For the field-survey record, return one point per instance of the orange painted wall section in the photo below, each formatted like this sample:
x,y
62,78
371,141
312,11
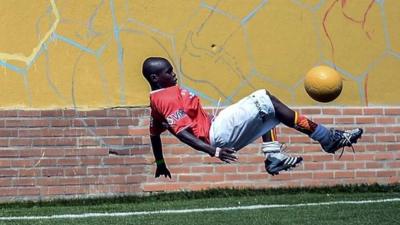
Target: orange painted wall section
x,y
88,54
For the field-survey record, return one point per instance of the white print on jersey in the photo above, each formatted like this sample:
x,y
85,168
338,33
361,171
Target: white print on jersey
x,y
175,116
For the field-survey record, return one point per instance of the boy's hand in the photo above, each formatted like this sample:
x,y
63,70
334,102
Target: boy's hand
x,y
162,170
226,154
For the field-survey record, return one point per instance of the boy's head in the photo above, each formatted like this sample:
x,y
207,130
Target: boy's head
x,y
158,72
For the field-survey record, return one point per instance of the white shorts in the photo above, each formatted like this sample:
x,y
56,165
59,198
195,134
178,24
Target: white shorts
x,y
243,122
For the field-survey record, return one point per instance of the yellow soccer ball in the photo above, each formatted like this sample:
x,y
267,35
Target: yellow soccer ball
x,y
323,83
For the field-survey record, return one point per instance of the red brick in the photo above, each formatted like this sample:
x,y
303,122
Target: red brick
x,y
133,141
331,111
8,113
281,176
393,147
9,153
98,171
334,165
8,172
51,113
114,179
355,165
83,122
344,120
387,173
301,175
308,111
139,112
176,169
198,187
74,190
75,171
96,113
226,169
120,170
127,122
118,131
24,182
5,182
322,175
8,132
117,113
212,177
374,165
373,111
365,120
28,113
384,156
367,173
238,177
68,162
113,141
31,172
22,163
8,191
138,131
324,157
375,147
56,190
344,174
392,129
386,120
106,122
376,129
28,191
313,166
385,138
189,178
248,168
5,163
300,139
135,160
51,172
395,164
201,169
352,111
392,111
325,121
20,142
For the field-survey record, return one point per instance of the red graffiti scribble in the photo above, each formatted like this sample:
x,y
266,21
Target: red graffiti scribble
x,y
359,21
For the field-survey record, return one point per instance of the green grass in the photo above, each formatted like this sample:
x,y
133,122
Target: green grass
x,y
371,213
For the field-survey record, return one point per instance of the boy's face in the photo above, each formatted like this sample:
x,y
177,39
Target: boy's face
x,y
167,77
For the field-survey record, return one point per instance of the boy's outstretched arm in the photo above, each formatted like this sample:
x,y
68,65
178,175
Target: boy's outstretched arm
x,y
225,154
158,155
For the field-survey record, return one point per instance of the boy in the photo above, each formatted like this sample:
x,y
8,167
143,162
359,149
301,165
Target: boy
x,y
180,111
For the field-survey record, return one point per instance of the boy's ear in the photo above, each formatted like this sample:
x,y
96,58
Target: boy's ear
x,y
153,77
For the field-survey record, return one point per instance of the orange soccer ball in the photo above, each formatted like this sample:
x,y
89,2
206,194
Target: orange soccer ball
x,y
323,83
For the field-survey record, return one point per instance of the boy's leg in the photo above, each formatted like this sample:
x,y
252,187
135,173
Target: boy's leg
x,y
331,140
275,159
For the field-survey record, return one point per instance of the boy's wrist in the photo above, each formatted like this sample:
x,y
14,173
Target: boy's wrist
x,y
160,162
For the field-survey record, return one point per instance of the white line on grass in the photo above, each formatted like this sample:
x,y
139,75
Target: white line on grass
x,y
250,207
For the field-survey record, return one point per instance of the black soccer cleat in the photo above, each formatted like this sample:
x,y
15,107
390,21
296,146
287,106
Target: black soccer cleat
x,y
340,139
277,162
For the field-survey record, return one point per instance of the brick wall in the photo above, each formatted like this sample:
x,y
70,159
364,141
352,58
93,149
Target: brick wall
x,y
65,153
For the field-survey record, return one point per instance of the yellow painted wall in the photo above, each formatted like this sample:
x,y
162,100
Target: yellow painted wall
x,y
88,54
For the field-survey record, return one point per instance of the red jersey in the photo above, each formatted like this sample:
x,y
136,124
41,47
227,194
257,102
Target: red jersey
x,y
176,109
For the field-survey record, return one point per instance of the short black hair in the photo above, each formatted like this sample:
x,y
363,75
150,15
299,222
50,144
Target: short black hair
x,y
154,65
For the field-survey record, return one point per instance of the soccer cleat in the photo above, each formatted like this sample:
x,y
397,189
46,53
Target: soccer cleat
x,y
279,161
340,139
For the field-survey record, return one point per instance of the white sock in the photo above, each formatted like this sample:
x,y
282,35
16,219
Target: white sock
x,y
270,147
